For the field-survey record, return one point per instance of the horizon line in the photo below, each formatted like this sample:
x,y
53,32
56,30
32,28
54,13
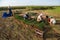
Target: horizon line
x,y
30,5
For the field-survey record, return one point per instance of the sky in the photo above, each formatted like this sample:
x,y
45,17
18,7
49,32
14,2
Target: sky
x,y
29,2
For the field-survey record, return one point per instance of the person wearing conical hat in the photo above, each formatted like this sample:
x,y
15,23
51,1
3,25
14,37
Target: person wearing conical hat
x,y
39,18
52,20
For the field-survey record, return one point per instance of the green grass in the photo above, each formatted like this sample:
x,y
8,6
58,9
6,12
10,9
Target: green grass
x,y
31,22
54,12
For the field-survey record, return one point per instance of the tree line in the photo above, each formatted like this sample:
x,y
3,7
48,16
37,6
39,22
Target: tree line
x,y
29,7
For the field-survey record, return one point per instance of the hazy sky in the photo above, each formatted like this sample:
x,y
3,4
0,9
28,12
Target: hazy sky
x,y
28,2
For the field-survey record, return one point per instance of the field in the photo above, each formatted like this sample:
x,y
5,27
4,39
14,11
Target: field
x,y
16,28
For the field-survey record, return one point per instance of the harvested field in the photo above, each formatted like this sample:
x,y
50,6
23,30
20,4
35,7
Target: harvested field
x,y
15,28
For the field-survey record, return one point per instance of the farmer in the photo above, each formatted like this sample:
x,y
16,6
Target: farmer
x,y
46,27
10,11
46,20
4,14
52,20
39,18
26,16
